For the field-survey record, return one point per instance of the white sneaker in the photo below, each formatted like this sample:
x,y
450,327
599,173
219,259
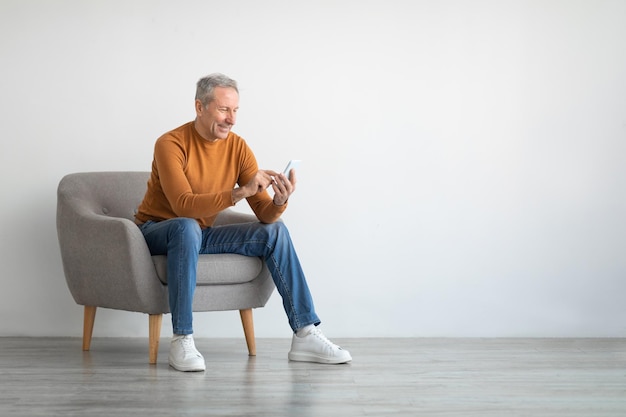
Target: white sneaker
x,y
315,347
184,356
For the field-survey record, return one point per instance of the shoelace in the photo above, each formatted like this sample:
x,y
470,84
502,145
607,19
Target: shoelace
x,y
188,345
318,333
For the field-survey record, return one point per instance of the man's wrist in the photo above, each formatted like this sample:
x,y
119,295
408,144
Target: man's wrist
x,y
237,195
279,205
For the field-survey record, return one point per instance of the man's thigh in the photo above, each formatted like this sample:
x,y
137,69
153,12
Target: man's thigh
x,y
250,239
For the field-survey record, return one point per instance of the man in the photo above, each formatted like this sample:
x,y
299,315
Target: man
x,y
195,171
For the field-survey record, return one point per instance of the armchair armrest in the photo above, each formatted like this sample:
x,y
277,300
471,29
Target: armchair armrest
x,y
107,262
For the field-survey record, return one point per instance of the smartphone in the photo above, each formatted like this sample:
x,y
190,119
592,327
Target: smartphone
x,y
293,164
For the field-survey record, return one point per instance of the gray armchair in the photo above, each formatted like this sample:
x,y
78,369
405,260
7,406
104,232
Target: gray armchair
x,y
107,262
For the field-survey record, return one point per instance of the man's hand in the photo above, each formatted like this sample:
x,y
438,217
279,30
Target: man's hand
x,y
281,185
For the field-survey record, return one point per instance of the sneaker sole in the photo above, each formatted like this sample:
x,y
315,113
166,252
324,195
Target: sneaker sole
x,y
310,357
183,368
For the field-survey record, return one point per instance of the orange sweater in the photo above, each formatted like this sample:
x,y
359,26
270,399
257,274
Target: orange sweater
x,y
192,177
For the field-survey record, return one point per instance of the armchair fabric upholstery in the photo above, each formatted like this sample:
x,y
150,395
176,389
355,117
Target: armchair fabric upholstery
x,y
107,262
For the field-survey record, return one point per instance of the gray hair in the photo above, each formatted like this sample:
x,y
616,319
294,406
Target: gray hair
x,y
206,86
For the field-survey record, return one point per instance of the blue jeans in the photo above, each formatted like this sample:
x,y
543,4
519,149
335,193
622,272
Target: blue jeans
x,y
182,240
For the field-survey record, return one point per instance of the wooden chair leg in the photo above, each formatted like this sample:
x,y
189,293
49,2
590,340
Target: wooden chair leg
x,y
248,330
90,317
154,335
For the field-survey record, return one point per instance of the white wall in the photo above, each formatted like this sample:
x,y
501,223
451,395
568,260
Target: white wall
x,y
463,166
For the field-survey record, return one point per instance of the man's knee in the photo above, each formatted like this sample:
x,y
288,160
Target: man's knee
x,y
277,230
187,229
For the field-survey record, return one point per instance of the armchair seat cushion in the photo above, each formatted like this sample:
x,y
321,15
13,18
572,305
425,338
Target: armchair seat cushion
x,y
219,269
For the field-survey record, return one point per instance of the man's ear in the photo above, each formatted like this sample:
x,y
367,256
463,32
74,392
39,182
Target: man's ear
x,y
199,107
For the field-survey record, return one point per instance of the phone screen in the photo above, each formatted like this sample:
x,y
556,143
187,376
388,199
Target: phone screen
x,y
293,164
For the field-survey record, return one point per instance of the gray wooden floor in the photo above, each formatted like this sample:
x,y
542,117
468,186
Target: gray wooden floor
x,y
398,377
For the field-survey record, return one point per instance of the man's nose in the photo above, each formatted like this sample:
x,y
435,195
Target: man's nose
x,y
231,116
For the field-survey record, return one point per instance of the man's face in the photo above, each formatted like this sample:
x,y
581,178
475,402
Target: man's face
x,y
214,121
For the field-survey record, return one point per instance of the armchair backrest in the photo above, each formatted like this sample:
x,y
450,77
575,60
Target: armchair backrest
x,y
115,194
